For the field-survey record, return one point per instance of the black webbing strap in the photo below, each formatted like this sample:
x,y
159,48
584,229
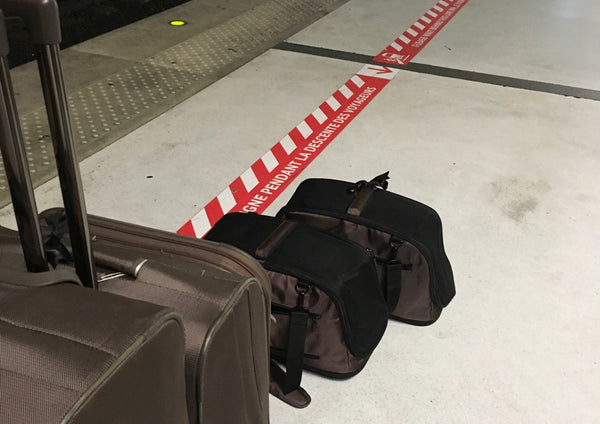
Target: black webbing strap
x,y
56,251
378,183
295,350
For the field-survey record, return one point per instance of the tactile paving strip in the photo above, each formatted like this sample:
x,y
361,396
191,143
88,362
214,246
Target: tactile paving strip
x,y
228,44
106,110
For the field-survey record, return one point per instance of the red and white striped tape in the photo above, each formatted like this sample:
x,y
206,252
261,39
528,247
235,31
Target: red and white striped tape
x,y
404,48
259,185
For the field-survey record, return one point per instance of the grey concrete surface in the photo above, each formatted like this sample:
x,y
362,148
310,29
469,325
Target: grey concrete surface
x,y
511,172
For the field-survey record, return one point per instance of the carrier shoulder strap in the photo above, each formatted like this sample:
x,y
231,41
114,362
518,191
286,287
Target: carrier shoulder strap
x,y
294,359
298,398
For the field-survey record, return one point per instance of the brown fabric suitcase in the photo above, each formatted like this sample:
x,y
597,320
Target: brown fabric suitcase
x,y
225,308
108,235
225,314
76,356
142,242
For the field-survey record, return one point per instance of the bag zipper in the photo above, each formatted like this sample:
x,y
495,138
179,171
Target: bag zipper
x,y
395,245
370,224
350,340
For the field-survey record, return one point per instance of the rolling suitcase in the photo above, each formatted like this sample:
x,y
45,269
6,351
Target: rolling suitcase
x,y
69,354
75,356
404,235
108,235
226,314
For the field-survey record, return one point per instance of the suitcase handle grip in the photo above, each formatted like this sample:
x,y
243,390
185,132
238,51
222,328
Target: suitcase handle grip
x,y
41,17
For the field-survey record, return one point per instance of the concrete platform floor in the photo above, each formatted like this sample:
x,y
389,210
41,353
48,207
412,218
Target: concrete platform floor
x,y
513,173
125,78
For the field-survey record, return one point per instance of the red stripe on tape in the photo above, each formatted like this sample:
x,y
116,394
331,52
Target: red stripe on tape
x,y
404,48
237,188
187,229
214,211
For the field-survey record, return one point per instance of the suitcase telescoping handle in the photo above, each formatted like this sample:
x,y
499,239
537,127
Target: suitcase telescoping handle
x,y
42,20
17,170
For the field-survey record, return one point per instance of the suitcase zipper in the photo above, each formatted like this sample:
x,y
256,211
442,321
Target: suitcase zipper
x,y
114,231
110,276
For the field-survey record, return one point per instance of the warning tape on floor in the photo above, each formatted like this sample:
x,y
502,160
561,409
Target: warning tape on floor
x,y
261,184
404,48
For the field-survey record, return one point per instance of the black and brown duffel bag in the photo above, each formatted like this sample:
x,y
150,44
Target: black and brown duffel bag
x,y
329,311
404,235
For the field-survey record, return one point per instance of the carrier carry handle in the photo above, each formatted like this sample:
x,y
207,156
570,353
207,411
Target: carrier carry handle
x,y
363,190
43,23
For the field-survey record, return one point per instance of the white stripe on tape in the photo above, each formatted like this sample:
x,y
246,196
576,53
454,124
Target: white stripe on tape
x,y
356,80
304,129
201,223
249,179
426,19
419,25
270,161
412,32
333,103
347,93
432,14
226,200
288,144
405,39
439,9
443,3
319,116
396,46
